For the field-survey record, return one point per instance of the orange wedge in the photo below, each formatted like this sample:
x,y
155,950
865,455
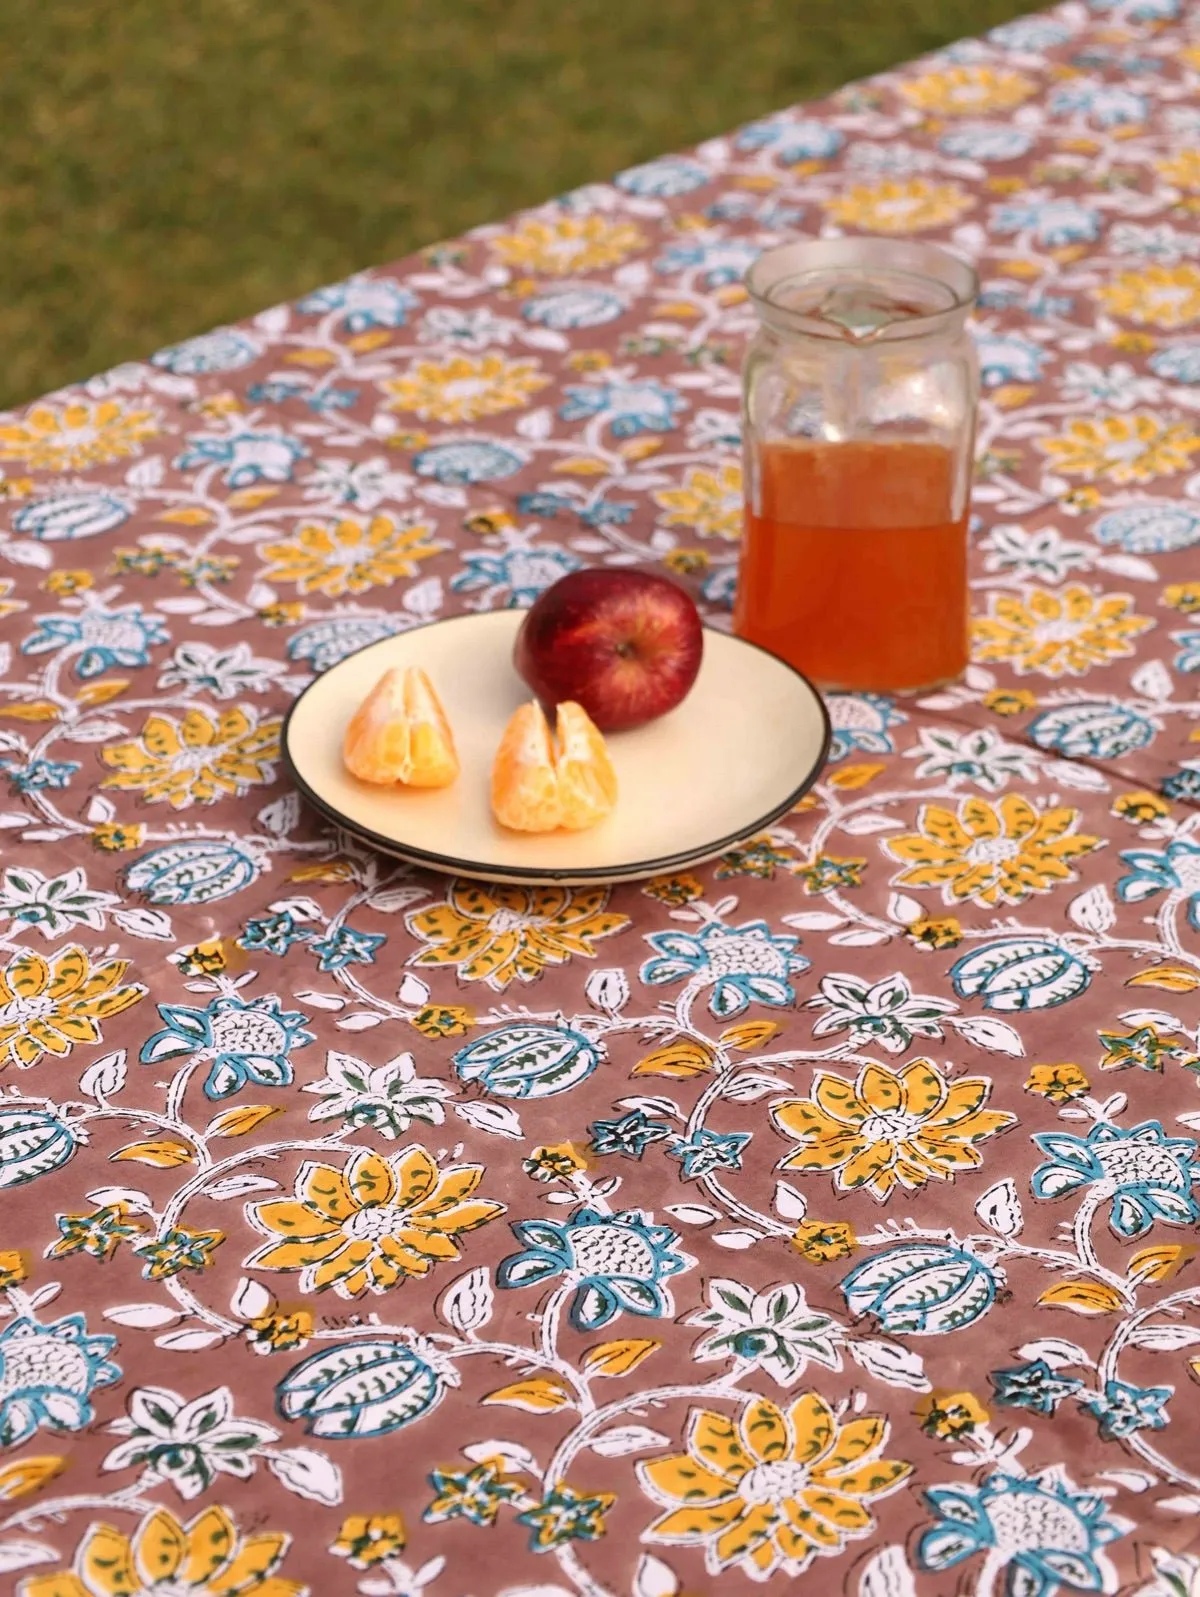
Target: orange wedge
x,y
400,733
537,787
587,783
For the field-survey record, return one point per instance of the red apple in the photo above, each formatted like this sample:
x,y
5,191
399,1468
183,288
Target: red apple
x,y
624,644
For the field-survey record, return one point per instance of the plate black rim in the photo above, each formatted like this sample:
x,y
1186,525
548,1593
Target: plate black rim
x,y
453,865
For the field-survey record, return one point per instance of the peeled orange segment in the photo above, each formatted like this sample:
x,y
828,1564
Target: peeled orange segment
x,y
538,788
400,733
433,757
587,783
524,780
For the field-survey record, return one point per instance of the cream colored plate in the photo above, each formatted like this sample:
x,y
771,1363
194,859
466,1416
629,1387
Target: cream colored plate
x,y
737,754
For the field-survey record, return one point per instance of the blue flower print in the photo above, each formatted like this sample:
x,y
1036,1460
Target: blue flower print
x,y
1140,10
71,514
1029,34
225,349
1123,1409
1155,526
1054,222
1106,104
326,642
986,141
803,140
719,263
274,392
614,1261
1177,363
1183,785
629,1136
329,399
663,179
273,934
1188,658
563,306
343,945
518,574
1148,1175
720,587
547,505
245,1042
469,460
36,776
705,1151
1008,358
365,302
1175,869
742,964
98,639
607,513
1042,1528
48,1374
629,408
1034,1386
248,457
861,721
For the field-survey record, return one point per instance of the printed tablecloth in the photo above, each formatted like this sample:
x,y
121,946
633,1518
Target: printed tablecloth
x,y
827,1214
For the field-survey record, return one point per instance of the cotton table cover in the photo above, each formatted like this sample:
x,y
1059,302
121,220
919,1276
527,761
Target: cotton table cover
x,y
823,1216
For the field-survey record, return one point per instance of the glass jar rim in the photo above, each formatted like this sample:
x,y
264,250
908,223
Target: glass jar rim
x,y
771,275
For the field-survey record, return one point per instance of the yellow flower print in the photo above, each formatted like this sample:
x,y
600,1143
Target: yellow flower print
x,y
710,502
990,854
773,1490
824,1242
196,760
890,1128
367,1539
349,556
1009,701
967,91
8,605
1059,1083
465,387
950,1415
1056,634
568,244
908,205
1122,449
1181,169
206,1557
498,934
47,1006
76,435
1140,807
1155,296
372,1224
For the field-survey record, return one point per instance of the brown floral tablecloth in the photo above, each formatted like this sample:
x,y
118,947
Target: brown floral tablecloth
x,y
826,1215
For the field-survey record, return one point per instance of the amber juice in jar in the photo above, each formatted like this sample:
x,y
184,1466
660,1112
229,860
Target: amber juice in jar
x,y
860,395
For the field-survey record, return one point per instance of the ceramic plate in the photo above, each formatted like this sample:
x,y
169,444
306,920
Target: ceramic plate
x,y
737,754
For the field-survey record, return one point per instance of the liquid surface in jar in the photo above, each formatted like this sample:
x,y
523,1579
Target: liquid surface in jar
x,y
852,567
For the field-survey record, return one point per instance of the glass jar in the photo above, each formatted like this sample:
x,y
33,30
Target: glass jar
x,y
860,391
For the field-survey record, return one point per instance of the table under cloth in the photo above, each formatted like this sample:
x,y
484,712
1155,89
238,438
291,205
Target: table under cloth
x,y
826,1214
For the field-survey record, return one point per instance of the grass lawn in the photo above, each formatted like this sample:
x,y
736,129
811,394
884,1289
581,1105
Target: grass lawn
x,y
171,164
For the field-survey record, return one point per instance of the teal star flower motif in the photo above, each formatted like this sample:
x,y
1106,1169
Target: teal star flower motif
x,y
1123,1409
343,945
705,1151
1035,1386
476,1494
48,1374
565,1515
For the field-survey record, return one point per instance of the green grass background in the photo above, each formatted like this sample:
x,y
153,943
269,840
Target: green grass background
x,y
166,165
